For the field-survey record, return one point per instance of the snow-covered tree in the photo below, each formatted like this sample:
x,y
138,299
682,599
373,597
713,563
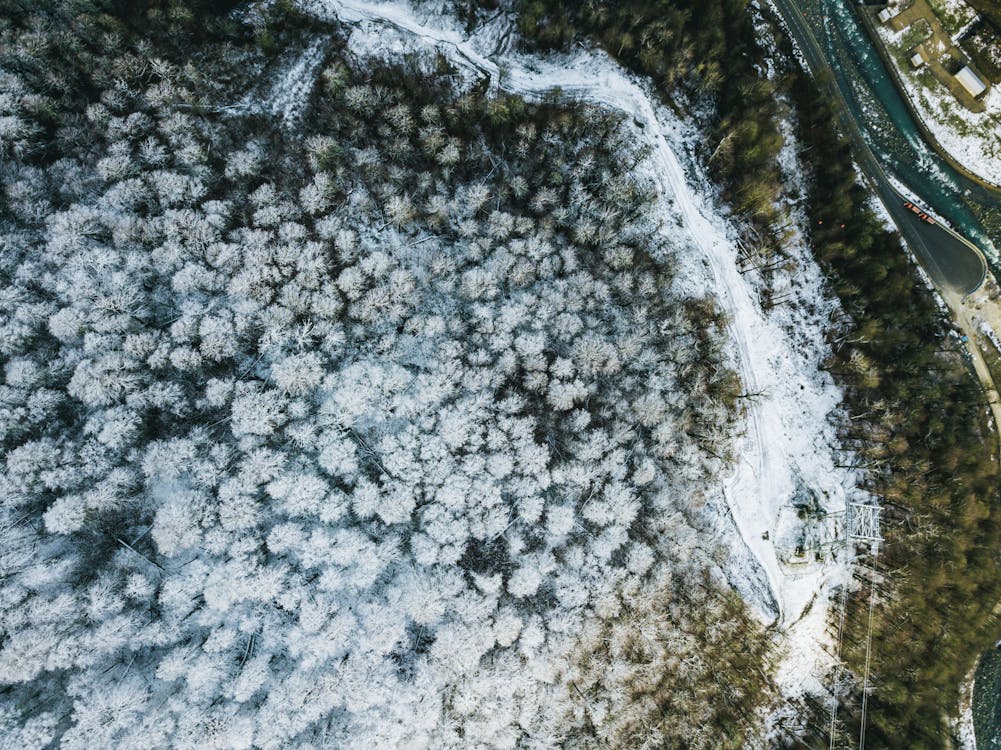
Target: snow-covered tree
x,y
378,436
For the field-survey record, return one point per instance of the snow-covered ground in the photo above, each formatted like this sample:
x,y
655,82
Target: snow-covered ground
x,y
955,15
289,93
989,332
964,725
787,452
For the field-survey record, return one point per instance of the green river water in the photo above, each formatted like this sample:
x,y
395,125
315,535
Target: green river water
x,y
891,132
987,701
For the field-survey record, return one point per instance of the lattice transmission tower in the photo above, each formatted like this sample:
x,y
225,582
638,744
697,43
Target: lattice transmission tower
x,y
863,522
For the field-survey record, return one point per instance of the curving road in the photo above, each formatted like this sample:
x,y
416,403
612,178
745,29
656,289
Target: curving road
x,y
953,263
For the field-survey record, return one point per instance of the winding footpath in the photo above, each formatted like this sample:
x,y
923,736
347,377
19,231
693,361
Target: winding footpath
x,y
585,78
789,441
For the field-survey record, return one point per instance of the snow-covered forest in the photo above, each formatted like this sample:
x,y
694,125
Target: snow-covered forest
x,y
388,429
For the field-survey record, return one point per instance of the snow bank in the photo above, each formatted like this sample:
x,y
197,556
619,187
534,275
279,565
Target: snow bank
x,y
965,731
986,329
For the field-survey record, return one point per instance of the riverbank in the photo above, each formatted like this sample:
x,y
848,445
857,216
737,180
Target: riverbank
x,y
987,700
976,158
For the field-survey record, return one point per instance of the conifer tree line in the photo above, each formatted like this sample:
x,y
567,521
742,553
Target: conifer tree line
x,y
388,431
919,419
705,48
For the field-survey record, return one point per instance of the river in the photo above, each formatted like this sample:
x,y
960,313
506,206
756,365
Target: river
x,y
891,132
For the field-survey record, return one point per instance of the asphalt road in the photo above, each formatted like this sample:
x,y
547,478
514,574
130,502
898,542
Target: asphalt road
x,y
951,261
947,258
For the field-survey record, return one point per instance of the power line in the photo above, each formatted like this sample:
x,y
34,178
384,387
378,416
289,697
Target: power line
x,y
868,648
837,655
861,525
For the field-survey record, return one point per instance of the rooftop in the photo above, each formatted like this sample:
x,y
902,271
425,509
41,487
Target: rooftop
x,y
971,81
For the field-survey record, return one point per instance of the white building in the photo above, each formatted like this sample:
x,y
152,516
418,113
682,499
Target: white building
x,y
916,60
971,81
885,15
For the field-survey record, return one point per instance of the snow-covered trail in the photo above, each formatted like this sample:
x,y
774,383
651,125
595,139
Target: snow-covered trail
x,y
289,93
789,439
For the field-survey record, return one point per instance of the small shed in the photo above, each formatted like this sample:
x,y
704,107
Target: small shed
x,y
885,15
971,81
916,60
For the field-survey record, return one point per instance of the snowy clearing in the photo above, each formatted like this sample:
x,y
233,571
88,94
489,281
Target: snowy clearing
x,y
289,93
787,453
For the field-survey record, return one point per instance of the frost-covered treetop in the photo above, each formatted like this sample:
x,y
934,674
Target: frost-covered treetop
x,y
358,439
